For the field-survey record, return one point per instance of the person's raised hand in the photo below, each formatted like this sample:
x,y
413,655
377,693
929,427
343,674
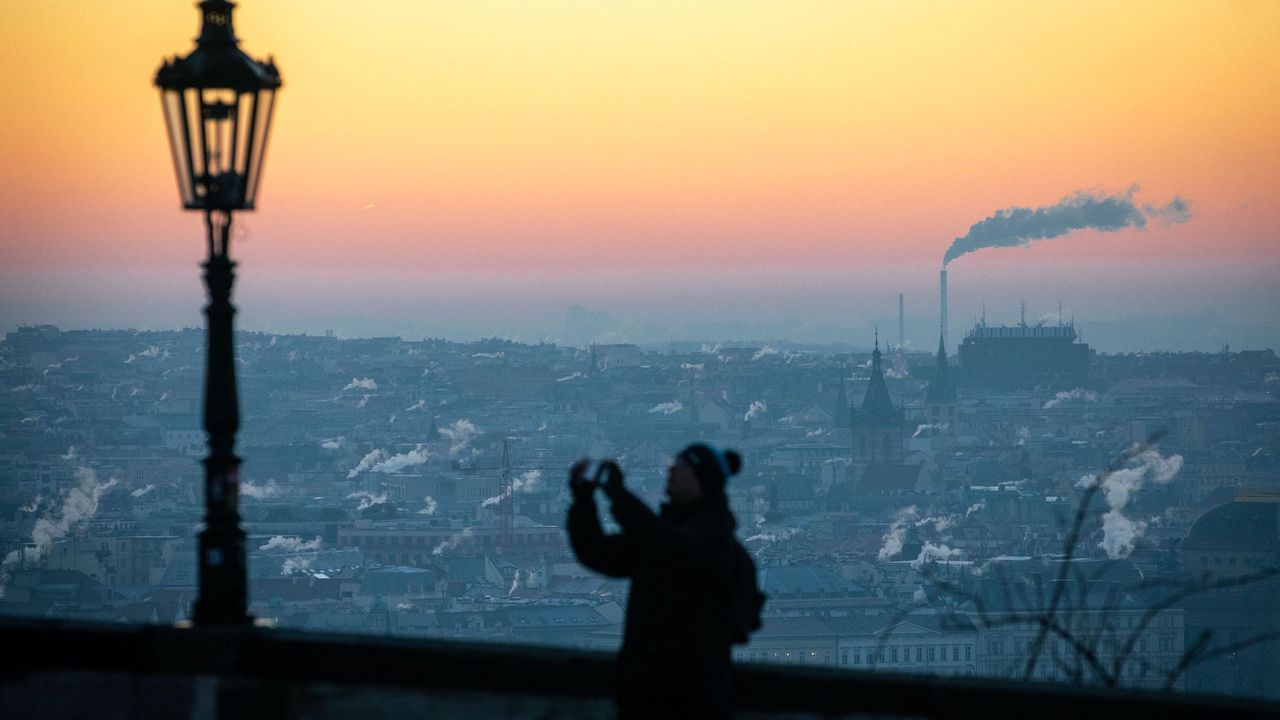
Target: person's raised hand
x,y
612,477
580,485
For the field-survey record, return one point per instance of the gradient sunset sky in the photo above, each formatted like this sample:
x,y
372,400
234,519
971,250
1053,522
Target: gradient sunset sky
x,y
765,170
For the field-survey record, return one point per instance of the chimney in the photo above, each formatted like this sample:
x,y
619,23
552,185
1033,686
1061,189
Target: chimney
x,y
902,324
944,307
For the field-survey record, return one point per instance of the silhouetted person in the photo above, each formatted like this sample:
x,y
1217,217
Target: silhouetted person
x,y
688,576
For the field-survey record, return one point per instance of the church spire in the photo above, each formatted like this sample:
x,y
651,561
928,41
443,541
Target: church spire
x,y
941,389
877,402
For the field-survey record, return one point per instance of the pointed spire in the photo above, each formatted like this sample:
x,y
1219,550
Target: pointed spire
x,y
941,389
877,402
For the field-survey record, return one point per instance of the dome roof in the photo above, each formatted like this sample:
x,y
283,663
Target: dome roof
x,y
1241,525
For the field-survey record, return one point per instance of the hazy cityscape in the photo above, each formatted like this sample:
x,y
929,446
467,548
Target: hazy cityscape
x,y
682,360
909,511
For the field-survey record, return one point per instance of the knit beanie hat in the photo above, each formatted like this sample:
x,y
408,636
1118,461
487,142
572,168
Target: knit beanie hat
x,y
712,467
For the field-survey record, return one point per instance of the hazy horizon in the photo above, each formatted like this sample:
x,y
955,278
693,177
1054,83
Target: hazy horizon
x,y
802,305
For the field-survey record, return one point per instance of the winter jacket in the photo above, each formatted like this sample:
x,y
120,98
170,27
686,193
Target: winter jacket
x,y
675,659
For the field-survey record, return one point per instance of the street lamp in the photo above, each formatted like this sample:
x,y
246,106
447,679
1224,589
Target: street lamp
x,y
217,107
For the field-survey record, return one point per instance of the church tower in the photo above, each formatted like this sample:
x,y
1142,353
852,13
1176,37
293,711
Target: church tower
x,y
877,425
940,398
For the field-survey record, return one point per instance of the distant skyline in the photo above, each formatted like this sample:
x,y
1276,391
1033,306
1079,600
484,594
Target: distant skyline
x,y
474,169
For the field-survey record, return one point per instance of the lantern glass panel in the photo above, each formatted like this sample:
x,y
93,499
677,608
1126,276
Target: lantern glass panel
x,y
264,104
195,138
176,125
244,131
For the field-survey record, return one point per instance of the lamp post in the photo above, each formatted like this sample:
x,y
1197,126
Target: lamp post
x,y
217,105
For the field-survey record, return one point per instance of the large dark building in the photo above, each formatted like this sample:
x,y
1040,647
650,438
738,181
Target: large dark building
x,y
1024,357
1238,542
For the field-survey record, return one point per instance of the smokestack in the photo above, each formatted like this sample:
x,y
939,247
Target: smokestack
x,y
902,324
944,307
1023,322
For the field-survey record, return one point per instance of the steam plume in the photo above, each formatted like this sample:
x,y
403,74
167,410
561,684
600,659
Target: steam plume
x,y
929,426
765,351
297,565
933,553
451,542
1075,394
1084,210
897,535
525,483
79,504
1119,533
396,463
367,462
260,492
282,543
667,408
367,499
460,435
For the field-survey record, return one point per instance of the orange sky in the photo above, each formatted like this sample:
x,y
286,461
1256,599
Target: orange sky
x,y
582,134
533,154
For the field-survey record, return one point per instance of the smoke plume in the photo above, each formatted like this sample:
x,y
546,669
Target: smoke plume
x,y
460,434
1119,533
429,506
260,492
941,427
361,384
940,523
451,542
396,463
79,504
1075,394
525,483
933,553
297,565
1084,210
757,407
142,491
765,351
282,543
367,499
897,535
667,408
367,462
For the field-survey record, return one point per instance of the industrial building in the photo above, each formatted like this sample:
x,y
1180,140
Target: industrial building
x,y
1024,357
